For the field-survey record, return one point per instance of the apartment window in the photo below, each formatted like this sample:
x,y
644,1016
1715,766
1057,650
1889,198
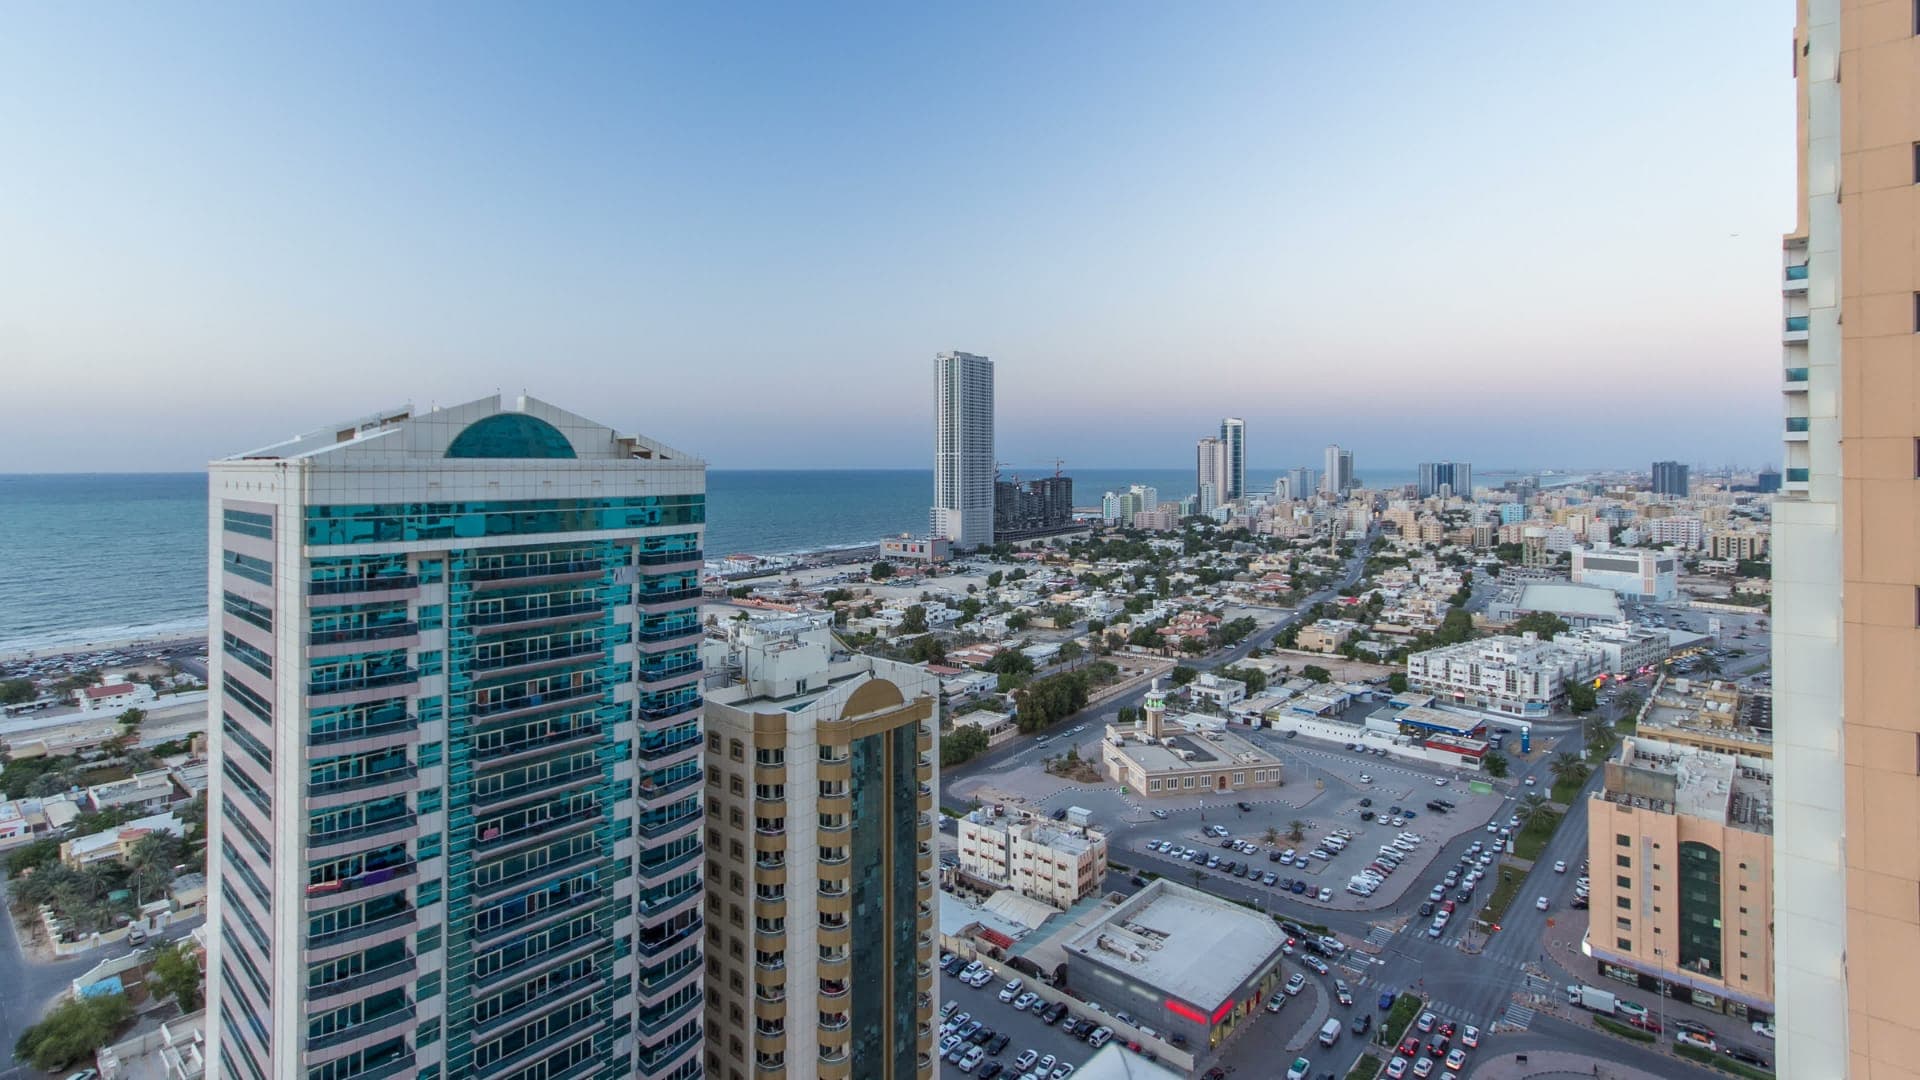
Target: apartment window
x,y
1624,862
1623,923
713,776
737,750
1622,840
736,785
1623,903
713,741
1916,313
1623,944
1622,881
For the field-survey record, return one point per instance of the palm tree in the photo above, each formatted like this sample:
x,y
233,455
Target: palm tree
x,y
1296,829
1273,835
1530,806
1564,765
1629,702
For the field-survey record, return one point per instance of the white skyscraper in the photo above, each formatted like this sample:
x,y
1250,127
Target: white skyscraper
x,y
963,449
1210,468
1233,458
1337,478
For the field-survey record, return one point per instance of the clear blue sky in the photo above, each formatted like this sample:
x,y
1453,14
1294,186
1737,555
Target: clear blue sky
x,y
1514,233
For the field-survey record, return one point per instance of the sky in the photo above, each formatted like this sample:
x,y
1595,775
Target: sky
x,y
1511,233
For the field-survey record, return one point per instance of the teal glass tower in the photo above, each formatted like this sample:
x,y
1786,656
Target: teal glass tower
x,y
455,798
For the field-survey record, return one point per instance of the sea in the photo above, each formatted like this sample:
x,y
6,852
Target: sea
x,y
93,557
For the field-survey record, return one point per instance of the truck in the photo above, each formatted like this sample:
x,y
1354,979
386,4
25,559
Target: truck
x,y
1593,998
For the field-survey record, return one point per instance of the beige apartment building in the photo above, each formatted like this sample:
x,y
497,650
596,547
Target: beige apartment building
x,y
1055,864
819,792
1846,554
1680,853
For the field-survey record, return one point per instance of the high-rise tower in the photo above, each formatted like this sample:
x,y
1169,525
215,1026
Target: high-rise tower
x,y
455,797
963,449
1337,479
1456,476
821,763
1233,458
1210,468
1846,558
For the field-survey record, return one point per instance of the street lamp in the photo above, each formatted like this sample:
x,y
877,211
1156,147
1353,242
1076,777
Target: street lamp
x,y
1662,955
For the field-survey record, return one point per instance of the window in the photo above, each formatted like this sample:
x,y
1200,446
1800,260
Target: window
x,y
1916,146
1623,923
736,750
713,776
1623,944
1916,313
1623,903
713,741
1624,862
1622,881
1622,840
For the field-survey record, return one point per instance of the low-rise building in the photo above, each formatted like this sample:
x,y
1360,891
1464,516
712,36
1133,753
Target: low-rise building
x,y
113,845
1627,648
1680,845
113,696
1221,693
1633,573
1737,544
1326,635
1181,961
1157,756
997,726
1056,864
1515,676
919,549
148,790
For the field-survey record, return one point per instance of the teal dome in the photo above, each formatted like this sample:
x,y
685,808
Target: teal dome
x,y
511,435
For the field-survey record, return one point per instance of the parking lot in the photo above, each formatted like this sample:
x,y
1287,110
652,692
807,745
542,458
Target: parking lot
x,y
1025,1030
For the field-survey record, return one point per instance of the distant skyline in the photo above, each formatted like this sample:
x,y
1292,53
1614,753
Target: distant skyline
x,y
1496,233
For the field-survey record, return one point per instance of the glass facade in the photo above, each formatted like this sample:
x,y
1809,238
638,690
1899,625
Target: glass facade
x,y
883,790
390,522
510,435
1700,909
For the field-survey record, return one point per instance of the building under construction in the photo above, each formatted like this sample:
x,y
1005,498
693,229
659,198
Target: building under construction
x,y
1024,510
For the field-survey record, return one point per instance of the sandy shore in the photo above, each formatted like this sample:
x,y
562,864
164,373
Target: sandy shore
x,y
137,643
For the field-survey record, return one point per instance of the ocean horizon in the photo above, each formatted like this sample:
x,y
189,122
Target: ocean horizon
x,y
88,557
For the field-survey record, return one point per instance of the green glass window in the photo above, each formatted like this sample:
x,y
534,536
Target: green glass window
x,y
248,524
1700,908
247,566
511,435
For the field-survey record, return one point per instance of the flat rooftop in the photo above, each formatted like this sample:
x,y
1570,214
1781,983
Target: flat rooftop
x,y
1183,942
1732,790
1212,748
1586,601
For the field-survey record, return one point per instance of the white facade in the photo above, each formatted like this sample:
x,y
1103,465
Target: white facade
x,y
963,449
1058,865
1233,458
1210,473
1517,676
1810,777
1633,573
1336,475
1686,532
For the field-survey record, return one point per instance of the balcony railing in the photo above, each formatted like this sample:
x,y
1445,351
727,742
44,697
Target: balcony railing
x,y
530,787
661,712
368,1026
662,672
585,732
1796,374
653,750
663,558
366,879
364,780
364,978
366,929
666,596
664,633
535,614
1797,423
1799,476
347,683
538,656
1797,323
1797,272
365,731
511,573
361,832
363,633
380,583
504,836
562,696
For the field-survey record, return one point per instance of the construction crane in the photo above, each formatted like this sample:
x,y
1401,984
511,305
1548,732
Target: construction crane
x,y
1058,464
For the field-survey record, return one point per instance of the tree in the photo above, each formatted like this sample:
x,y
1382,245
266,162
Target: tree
x,y
914,620
17,691
994,579
1192,646
1316,673
1708,664
1070,651
1272,835
1568,768
1495,763
36,854
1095,626
73,1031
1128,714
963,743
1544,623
1019,621
1397,682
1531,805
1296,829
927,649
880,571
1629,702
1580,697
1182,675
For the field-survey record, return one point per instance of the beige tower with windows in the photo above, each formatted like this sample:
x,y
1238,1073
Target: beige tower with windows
x,y
819,788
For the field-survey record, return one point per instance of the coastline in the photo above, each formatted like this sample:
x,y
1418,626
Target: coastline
x,y
82,643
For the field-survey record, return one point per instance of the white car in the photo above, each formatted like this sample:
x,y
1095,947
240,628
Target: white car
x,y
1559,866
1026,1001
1161,814
1011,990
1439,781
1296,984
1366,779
1470,1037
1529,781
1542,904
1765,1031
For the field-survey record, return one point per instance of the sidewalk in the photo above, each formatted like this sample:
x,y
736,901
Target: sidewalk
x,y
1554,1064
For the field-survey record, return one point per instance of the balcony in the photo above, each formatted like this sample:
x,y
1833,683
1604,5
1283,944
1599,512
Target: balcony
x,y
388,1019
536,657
667,632
653,673
364,780
1796,378
772,860
663,712
655,749
365,731
584,735
548,914
497,837
396,921
833,1021
1797,427
1799,476
662,598
364,633
527,703
833,1055
344,888
488,622
399,1065
1796,329
669,558
833,988
663,825
534,570
347,684
529,788
1796,279
363,979
361,832
374,583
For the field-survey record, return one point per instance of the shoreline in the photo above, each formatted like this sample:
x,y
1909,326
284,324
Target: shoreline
x,y
171,639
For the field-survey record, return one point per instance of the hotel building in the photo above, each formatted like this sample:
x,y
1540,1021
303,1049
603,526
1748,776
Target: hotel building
x,y
455,791
963,467
820,864
1845,557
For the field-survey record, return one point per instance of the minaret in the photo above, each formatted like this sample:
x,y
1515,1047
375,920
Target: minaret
x,y
1156,708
